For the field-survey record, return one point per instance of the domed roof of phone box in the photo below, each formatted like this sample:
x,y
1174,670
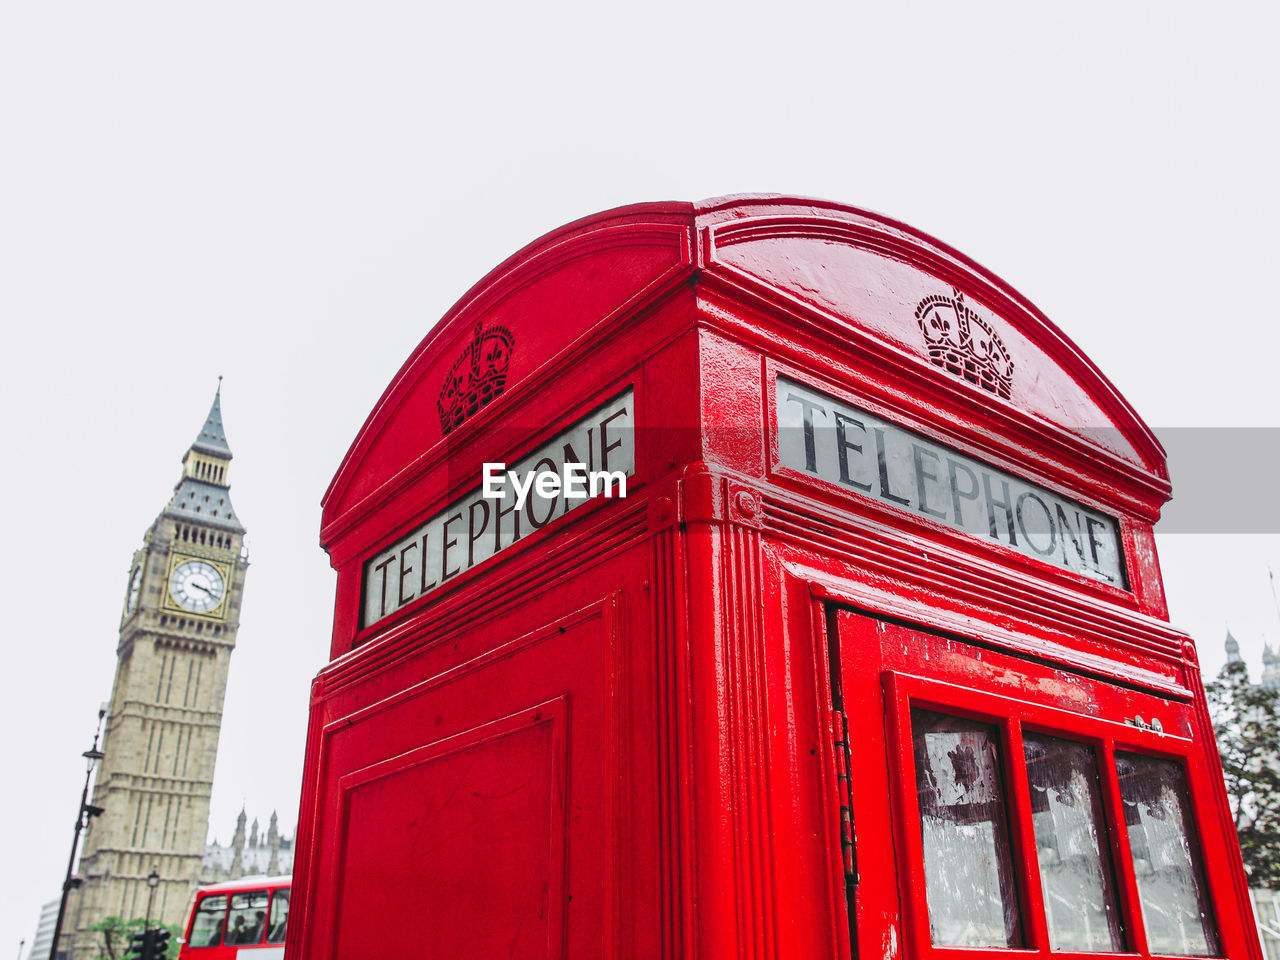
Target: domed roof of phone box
x,y
859,280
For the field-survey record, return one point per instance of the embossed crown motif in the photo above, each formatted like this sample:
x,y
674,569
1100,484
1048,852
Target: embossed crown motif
x,y
962,342
477,377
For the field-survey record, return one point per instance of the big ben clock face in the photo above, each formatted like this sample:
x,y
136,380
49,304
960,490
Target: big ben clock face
x,y
135,587
197,586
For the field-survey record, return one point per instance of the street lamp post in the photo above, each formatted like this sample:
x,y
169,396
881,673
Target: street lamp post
x,y
86,811
153,880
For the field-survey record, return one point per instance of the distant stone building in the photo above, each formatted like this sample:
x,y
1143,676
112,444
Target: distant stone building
x,y
257,853
1270,661
177,630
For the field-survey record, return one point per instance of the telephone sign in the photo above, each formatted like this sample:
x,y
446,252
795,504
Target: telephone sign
x,y
841,444
495,516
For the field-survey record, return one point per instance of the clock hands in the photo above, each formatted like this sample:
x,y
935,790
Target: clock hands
x,y
197,586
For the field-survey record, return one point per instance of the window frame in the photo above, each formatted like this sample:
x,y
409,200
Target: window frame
x,y
255,891
1011,716
201,899
271,906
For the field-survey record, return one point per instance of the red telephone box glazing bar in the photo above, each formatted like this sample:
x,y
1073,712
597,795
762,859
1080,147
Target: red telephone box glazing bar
x,y
755,578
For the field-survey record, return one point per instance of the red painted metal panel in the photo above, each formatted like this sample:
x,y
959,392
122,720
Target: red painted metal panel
x,y
558,291
486,809
829,266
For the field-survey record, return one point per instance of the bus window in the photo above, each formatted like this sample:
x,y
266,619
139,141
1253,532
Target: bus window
x,y
238,918
968,861
206,928
248,918
279,916
1166,864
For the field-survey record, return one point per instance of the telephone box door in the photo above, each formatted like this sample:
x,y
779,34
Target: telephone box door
x,y
998,803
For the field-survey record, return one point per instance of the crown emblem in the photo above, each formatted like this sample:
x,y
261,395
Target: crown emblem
x,y
961,342
478,376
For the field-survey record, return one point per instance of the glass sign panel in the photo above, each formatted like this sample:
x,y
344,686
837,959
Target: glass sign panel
x,y
593,457
851,448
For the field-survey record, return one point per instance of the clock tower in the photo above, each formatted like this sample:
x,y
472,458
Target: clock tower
x,y
181,611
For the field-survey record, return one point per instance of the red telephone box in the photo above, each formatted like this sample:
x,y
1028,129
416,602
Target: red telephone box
x,y
871,659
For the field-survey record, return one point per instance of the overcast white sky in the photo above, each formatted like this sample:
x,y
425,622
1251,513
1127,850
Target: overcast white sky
x,y
291,193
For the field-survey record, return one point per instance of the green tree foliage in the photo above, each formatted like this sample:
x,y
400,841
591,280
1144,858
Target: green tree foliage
x,y
116,933
1246,721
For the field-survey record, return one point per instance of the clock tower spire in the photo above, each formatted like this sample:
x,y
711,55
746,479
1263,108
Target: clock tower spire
x,y
177,631
203,493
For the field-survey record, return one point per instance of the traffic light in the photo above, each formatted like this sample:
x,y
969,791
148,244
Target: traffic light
x,y
140,946
151,944
159,943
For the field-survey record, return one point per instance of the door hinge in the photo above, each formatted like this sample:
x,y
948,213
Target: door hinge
x,y
844,788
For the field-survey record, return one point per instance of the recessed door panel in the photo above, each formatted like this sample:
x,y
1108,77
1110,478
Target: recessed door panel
x,y
471,812
479,823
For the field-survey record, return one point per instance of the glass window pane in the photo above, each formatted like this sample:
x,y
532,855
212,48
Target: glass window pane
x,y
1157,811
1075,866
1264,910
206,928
248,918
968,863
279,916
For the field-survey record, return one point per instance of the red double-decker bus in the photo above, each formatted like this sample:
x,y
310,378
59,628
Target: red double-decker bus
x,y
243,918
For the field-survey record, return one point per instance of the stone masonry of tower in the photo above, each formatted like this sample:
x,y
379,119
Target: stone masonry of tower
x,y
181,613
